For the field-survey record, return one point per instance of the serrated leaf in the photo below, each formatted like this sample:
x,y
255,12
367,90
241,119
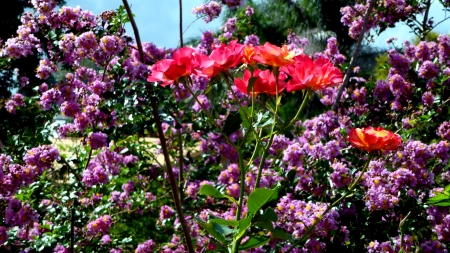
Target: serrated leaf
x,y
260,197
254,242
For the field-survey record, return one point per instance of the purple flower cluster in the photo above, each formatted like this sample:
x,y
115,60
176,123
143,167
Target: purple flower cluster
x,y
41,157
16,101
392,12
298,215
99,226
106,163
208,11
146,247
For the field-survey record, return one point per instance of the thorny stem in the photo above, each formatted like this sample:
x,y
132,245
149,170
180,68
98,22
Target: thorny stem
x,y
242,168
355,54
319,219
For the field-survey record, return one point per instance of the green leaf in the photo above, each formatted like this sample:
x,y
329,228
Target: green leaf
x,y
210,229
209,190
225,222
265,224
254,242
209,89
447,189
269,215
438,198
263,120
442,203
260,197
244,224
232,123
215,230
281,234
243,111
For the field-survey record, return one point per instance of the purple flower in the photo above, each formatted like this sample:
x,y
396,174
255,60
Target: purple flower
x,y
428,99
249,11
444,130
100,226
146,247
428,70
97,140
3,235
60,249
166,212
203,105
41,157
251,39
208,11
105,239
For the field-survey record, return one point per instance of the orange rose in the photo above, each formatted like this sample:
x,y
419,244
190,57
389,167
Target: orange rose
x,y
272,55
248,53
371,139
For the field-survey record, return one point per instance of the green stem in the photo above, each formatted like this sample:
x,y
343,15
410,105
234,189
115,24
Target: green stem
x,y
266,150
210,117
242,182
302,107
275,117
349,190
242,168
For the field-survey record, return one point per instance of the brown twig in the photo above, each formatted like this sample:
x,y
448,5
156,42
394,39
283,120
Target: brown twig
x,y
135,29
173,183
355,54
158,122
181,22
425,21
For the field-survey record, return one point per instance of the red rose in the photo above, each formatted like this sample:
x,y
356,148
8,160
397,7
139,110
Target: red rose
x,y
264,82
315,75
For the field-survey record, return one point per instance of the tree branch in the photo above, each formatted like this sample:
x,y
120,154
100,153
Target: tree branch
x,y
355,54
